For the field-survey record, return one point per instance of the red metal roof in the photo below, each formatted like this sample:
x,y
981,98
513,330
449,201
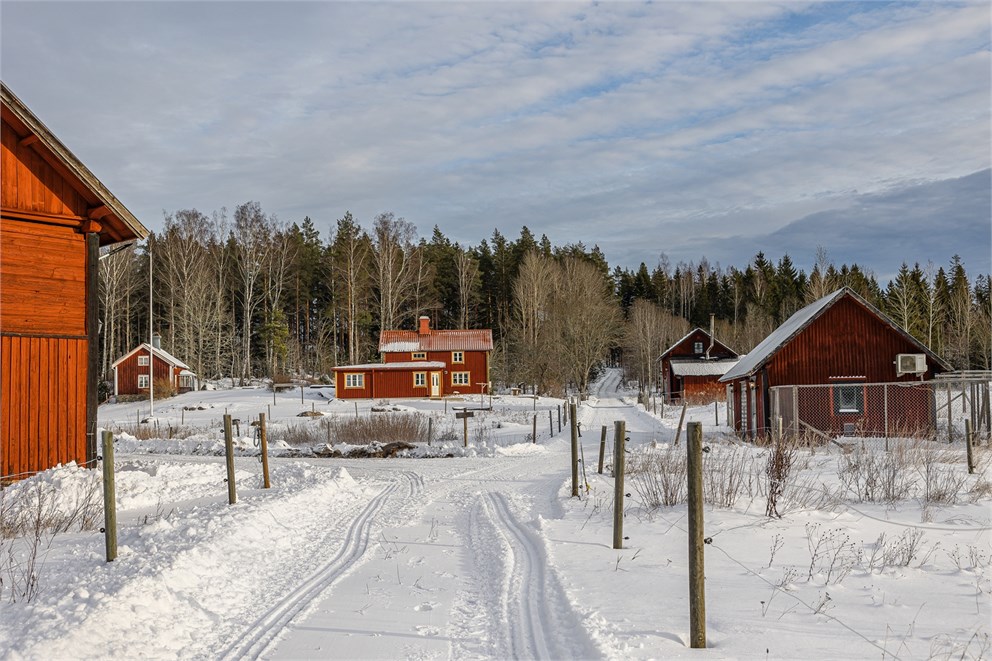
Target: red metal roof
x,y
436,340
395,367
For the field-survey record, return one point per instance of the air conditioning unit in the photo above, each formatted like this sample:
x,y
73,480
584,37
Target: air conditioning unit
x,y
911,363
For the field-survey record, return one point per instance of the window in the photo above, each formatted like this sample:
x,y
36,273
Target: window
x,y
697,347
419,355
143,361
849,398
459,378
458,356
142,380
354,380
420,379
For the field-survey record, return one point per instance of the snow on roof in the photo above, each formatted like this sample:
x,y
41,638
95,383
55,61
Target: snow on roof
x,y
161,353
701,367
393,341
688,335
409,365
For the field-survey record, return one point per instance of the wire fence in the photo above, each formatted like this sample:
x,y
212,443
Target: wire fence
x,y
938,410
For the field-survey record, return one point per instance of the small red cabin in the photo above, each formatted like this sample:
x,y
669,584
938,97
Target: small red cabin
x,y
132,373
54,218
834,367
421,363
691,368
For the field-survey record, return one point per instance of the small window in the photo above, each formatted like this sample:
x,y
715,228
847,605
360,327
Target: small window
x,y
420,379
143,360
354,380
697,347
458,356
459,378
143,381
419,355
849,399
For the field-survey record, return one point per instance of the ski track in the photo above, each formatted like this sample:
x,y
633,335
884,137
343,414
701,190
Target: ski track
x,y
535,618
268,629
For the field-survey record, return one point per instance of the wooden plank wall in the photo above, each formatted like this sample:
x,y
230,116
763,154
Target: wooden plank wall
x,y
29,183
43,403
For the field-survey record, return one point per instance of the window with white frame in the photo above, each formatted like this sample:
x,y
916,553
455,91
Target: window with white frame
x,y
849,398
420,379
142,380
354,380
458,356
460,378
143,360
419,355
697,347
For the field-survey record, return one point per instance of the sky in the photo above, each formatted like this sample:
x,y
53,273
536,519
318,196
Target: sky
x,y
690,129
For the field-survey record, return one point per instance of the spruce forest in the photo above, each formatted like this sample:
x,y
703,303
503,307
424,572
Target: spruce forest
x,y
245,295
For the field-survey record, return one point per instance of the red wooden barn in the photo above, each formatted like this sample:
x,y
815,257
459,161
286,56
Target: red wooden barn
x,y
54,217
421,363
866,371
692,367
132,374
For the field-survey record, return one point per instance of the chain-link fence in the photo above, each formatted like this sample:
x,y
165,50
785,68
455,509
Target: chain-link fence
x,y
940,409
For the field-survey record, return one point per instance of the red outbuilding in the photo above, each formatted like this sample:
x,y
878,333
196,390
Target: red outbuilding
x,y
837,366
421,363
54,218
132,373
691,368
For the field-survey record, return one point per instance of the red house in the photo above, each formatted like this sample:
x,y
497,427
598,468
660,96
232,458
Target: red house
x,y
691,368
837,366
132,373
421,363
55,215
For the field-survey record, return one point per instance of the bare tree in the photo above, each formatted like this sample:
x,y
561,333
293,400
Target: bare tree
x,y
350,257
393,266
468,282
649,331
821,281
251,248
535,340
118,282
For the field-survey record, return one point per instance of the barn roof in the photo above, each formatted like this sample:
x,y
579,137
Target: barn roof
x,y
702,367
117,223
716,343
409,365
795,324
393,341
160,353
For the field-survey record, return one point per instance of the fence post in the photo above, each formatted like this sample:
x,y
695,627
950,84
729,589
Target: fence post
x,y
795,410
602,449
967,442
678,432
559,418
885,412
232,494
263,438
716,414
430,430
109,496
534,435
465,426
575,452
551,422
619,432
697,596
950,427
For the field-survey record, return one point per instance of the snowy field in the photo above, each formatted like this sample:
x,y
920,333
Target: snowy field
x,y
480,552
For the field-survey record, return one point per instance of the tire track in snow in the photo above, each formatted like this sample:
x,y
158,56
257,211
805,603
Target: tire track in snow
x,y
535,617
267,629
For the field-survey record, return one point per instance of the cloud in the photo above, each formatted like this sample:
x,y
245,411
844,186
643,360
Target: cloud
x,y
644,128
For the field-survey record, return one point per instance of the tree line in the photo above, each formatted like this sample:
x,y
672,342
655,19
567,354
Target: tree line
x,y
246,295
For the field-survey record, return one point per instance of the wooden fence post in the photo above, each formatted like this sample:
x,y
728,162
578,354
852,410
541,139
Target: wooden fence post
x,y
430,430
465,424
967,442
109,496
716,414
559,418
619,433
678,432
232,494
697,596
602,449
575,453
551,422
534,436
264,442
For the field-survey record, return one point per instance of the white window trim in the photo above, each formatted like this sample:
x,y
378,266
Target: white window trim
x,y
142,380
420,379
466,375
357,380
458,357
143,360
418,355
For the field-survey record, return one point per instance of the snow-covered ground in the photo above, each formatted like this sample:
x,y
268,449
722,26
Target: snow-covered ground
x,y
484,554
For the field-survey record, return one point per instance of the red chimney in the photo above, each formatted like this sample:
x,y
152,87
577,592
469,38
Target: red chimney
x,y
425,326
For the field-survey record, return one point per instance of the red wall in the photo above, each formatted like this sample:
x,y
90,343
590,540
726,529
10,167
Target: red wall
x,y
128,371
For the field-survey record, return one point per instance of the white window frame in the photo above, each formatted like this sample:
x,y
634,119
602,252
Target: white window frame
x,y
457,356
461,378
143,360
697,347
420,379
418,355
143,381
354,380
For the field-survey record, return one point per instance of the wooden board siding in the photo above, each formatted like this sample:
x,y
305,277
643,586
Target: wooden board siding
x,y
352,393
43,270
703,389
846,340
128,371
476,362
43,403
29,183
